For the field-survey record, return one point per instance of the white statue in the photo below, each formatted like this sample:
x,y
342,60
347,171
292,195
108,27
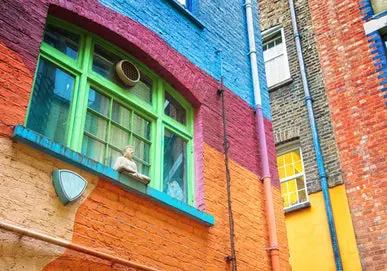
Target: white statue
x,y
125,162
126,165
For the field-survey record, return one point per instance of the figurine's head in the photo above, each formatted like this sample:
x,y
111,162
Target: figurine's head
x,y
128,152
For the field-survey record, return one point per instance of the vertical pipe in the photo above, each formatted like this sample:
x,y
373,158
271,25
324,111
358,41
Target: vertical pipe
x,y
226,146
316,142
266,178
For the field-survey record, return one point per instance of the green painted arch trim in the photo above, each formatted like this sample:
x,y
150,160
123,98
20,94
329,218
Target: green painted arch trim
x,y
59,151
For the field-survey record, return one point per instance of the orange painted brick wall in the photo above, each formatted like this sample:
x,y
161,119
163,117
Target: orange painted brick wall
x,y
120,223
359,119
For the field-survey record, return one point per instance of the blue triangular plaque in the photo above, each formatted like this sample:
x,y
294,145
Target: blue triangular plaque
x,y
68,185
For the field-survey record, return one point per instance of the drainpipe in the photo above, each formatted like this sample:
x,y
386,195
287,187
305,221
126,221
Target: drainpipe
x,y
266,178
316,142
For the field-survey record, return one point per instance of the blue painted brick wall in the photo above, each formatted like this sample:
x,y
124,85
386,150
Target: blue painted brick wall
x,y
225,28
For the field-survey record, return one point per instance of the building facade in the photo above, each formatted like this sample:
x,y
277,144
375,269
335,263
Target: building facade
x,y
356,87
338,62
66,115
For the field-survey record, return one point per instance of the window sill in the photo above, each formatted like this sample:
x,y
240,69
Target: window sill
x,y
281,84
187,13
39,142
303,205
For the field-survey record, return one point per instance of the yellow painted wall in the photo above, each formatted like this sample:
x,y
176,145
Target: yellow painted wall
x,y
308,235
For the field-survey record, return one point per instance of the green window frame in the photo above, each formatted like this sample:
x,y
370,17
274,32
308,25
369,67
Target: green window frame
x,y
80,68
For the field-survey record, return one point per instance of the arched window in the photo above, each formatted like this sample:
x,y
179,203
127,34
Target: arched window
x,y
79,101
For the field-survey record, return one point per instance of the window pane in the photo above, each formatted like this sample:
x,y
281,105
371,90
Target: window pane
x,y
113,154
104,63
281,172
288,158
119,137
141,126
298,167
280,161
142,168
51,98
141,149
278,40
286,201
96,125
284,188
143,89
62,40
296,155
175,172
300,183
93,149
301,196
293,198
292,186
98,102
173,109
121,115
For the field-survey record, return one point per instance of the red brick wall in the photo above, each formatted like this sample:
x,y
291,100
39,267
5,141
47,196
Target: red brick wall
x,y
359,118
15,88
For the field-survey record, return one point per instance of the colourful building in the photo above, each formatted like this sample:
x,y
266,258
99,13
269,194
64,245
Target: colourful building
x,y
344,55
65,104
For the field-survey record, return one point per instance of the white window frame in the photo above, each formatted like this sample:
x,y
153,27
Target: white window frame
x,y
267,37
283,150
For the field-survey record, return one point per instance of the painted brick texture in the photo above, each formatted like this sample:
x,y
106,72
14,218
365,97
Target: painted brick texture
x,y
197,86
225,29
15,88
110,219
114,221
359,119
289,112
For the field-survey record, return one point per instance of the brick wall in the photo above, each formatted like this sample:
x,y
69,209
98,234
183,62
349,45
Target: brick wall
x,y
289,112
108,218
359,119
224,24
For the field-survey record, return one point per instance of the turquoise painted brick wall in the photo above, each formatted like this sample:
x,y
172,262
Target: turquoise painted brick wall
x,y
225,28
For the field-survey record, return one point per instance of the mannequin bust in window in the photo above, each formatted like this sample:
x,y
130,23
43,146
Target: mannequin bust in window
x,y
126,165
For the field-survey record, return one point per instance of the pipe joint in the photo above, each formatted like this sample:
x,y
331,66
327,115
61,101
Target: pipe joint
x,y
248,5
323,175
308,98
264,177
272,249
296,35
252,52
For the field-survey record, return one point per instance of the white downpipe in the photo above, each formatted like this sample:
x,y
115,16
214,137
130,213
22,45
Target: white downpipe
x,y
253,54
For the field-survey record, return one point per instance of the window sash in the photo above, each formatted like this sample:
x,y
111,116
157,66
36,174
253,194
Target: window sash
x,y
84,78
294,176
276,58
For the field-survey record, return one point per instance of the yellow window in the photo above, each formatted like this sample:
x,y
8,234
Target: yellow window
x,y
292,177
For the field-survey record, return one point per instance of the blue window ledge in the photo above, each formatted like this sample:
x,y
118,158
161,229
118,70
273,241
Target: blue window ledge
x,y
187,13
42,143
